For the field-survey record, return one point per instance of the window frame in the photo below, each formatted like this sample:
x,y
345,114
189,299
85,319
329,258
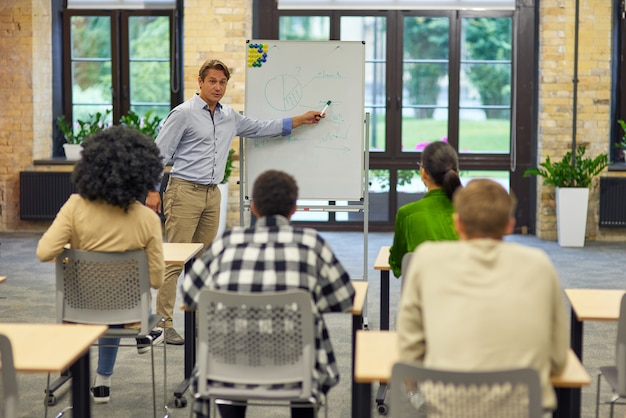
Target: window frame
x,y
523,101
62,63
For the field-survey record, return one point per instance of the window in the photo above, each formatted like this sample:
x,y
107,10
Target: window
x,y
118,61
440,73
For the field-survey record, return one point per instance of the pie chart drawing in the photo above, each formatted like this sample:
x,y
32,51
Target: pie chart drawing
x,y
283,92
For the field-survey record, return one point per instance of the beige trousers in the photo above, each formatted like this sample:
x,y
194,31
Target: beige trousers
x,y
192,213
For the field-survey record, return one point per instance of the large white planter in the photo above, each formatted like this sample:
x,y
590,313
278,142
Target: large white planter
x,y
223,207
571,215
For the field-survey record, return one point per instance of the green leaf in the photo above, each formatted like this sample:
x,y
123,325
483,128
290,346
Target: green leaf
x,y
564,173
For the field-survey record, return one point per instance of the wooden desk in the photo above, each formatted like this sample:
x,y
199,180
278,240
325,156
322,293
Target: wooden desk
x,y
377,351
589,305
184,254
382,264
62,346
180,253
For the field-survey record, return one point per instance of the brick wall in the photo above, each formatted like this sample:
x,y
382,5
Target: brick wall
x,y
556,94
25,73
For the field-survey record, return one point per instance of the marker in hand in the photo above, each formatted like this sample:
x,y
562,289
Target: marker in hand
x,y
325,108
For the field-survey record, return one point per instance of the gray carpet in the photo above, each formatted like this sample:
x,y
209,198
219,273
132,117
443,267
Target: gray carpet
x,y
27,296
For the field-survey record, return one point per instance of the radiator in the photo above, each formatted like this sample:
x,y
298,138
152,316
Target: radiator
x,y
613,202
43,193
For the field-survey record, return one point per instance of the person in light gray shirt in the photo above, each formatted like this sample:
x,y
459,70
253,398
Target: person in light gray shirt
x,y
198,135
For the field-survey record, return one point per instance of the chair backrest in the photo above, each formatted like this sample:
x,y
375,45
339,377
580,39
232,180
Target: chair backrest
x,y
422,392
620,349
94,287
9,396
255,339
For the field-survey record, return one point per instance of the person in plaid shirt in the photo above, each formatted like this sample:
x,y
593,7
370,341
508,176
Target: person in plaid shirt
x,y
272,255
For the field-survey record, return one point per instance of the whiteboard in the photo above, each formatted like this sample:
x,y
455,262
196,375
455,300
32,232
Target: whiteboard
x,y
288,78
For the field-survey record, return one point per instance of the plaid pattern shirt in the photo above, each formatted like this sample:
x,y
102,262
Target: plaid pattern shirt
x,y
272,256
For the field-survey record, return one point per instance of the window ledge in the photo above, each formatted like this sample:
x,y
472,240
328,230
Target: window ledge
x,y
621,166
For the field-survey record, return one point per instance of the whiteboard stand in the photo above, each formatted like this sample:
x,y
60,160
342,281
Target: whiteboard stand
x,y
244,203
330,161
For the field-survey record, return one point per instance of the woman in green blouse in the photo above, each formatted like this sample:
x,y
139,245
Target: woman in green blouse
x,y
430,218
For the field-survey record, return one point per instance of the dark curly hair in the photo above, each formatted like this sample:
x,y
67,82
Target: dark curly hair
x,y
274,193
119,165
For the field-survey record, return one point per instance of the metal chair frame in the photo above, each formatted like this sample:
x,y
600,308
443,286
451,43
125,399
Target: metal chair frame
x,y
10,398
104,288
615,375
254,340
430,390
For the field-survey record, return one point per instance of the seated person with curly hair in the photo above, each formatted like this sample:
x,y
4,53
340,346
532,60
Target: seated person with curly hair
x,y
118,167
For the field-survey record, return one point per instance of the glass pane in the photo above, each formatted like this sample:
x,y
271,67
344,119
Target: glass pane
x,y
149,82
425,81
304,28
149,37
502,177
310,216
378,198
91,37
85,113
485,91
372,30
409,186
91,65
150,75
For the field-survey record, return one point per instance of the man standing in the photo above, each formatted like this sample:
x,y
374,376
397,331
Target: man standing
x,y
198,134
481,303
297,258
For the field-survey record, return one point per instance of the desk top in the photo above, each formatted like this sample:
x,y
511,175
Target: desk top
x,y
42,348
382,259
377,351
595,304
180,253
360,287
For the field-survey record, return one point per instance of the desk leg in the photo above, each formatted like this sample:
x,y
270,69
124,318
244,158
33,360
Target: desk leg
x,y
384,325
81,402
190,351
361,393
576,342
576,335
384,299
565,403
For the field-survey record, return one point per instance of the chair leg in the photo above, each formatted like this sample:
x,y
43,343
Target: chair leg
x,y
167,413
153,380
598,395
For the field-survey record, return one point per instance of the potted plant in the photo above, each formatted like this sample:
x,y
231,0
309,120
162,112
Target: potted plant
x,y
75,134
148,124
572,178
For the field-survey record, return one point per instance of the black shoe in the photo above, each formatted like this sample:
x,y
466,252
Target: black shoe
x,y
101,394
143,344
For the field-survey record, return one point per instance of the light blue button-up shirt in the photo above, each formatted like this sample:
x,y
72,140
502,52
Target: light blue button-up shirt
x,y
199,142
